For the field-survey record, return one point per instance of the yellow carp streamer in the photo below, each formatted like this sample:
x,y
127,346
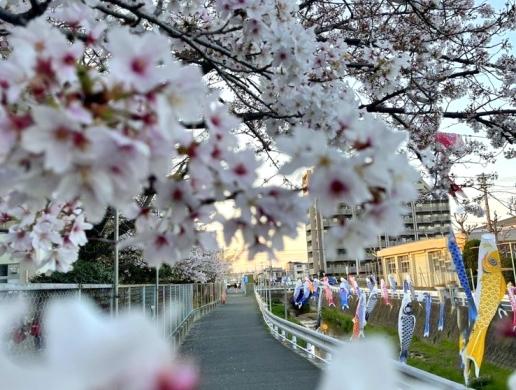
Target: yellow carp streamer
x,y
492,292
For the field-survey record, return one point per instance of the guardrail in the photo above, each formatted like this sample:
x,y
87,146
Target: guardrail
x,y
178,334
319,347
460,298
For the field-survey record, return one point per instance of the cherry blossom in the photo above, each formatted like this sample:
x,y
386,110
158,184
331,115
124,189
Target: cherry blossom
x,y
200,266
367,353
77,234
183,105
55,136
135,58
114,101
337,184
124,352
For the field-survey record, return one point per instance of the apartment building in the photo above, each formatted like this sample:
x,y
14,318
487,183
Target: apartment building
x,y
425,218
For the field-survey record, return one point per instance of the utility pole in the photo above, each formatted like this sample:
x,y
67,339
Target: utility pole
x,y
321,257
357,261
482,181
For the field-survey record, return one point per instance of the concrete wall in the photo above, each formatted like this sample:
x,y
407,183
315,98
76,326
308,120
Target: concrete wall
x,y
499,350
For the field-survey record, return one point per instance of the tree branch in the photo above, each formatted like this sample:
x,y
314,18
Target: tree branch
x,y
21,19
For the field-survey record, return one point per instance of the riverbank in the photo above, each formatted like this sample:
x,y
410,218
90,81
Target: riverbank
x,y
441,358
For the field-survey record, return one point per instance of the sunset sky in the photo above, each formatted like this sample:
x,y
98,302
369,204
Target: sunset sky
x,y
295,250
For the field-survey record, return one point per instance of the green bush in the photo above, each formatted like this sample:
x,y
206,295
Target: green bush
x,y
343,321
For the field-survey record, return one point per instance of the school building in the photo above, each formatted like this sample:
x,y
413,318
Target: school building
x,y
427,262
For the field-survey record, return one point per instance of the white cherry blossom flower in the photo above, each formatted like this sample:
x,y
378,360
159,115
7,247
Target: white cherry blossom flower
x,y
354,360
55,135
77,234
126,352
93,186
183,89
45,234
135,59
19,240
159,247
59,259
305,147
65,59
337,184
176,196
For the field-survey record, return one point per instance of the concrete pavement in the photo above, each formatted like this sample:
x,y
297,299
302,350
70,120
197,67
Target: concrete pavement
x,y
235,350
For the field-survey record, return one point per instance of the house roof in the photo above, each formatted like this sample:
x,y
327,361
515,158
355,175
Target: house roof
x,y
415,246
507,231
507,222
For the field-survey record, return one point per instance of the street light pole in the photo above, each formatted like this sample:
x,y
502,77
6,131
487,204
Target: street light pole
x,y
115,278
156,300
270,288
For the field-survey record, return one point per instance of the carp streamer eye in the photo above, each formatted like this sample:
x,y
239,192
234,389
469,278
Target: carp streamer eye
x,y
492,261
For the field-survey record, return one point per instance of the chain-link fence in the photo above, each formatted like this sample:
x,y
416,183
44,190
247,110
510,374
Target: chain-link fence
x,y
174,307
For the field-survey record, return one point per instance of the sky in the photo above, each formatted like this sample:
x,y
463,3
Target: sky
x,y
504,187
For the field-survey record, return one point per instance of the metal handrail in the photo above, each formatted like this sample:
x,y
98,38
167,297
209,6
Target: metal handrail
x,y
327,344
191,314
460,297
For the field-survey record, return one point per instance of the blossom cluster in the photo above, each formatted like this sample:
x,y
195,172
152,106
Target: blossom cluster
x,y
101,113
49,237
97,136
126,352
74,135
200,267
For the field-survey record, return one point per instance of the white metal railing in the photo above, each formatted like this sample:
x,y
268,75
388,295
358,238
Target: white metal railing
x,y
320,347
460,297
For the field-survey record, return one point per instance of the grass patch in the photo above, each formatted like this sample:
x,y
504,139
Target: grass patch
x,y
440,359
278,309
336,318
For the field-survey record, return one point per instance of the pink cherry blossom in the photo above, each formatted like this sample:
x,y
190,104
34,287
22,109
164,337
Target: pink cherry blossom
x,y
135,59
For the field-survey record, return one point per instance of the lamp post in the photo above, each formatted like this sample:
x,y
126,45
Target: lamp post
x,y
156,300
270,289
115,278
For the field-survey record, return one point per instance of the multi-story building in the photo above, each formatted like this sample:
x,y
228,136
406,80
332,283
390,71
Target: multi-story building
x,y
297,269
425,218
274,275
12,271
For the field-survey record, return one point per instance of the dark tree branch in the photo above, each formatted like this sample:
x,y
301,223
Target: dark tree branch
x,y
37,9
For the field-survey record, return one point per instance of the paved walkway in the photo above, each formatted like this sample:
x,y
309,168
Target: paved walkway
x,y
235,350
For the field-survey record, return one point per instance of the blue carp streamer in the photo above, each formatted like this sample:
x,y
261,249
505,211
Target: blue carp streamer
x,y
463,278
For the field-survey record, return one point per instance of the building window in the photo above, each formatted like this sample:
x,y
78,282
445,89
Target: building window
x,y
438,263
391,265
434,256
13,271
3,273
404,264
